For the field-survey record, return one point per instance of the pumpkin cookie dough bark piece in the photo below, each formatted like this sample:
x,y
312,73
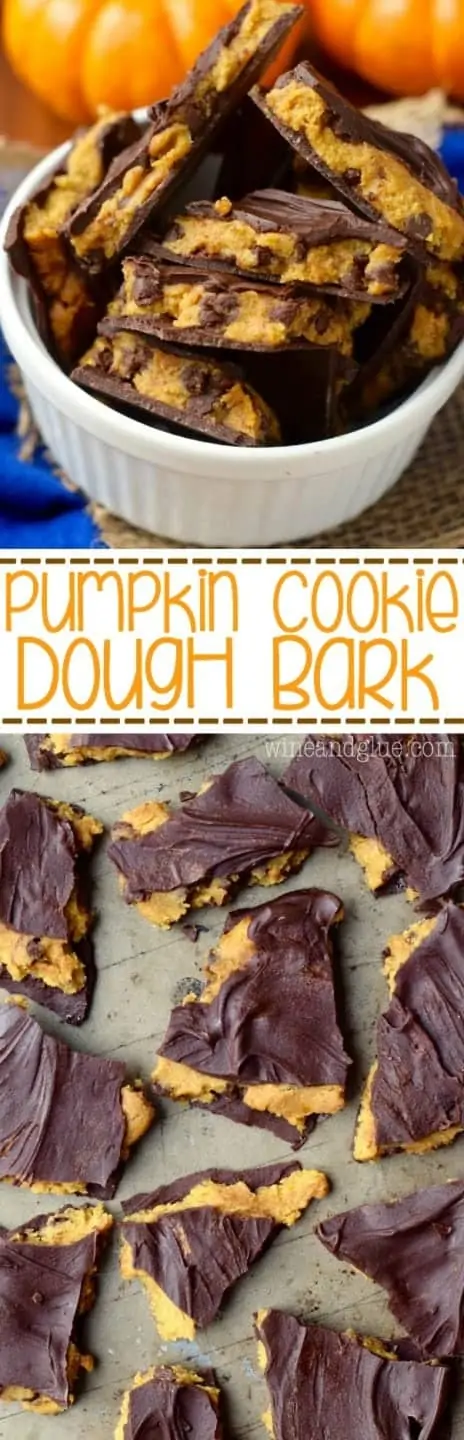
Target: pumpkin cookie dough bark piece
x,y
383,173
414,1096
68,1120
68,307
402,804
322,1383
423,335
240,828
189,1242
54,752
171,1401
181,129
262,1044
48,1273
174,303
46,950
276,236
179,387
413,1248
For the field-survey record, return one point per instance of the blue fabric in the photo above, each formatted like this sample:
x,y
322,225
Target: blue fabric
x,y
452,152
36,510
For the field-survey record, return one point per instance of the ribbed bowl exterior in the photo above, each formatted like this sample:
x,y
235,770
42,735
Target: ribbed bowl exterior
x,y
208,510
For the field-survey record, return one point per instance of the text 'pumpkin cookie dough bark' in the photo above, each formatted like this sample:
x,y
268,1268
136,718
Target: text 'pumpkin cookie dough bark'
x,y
414,1096
190,1241
46,951
174,303
240,828
180,387
67,305
402,803
262,1044
293,240
54,752
170,1401
413,1248
344,1387
384,173
68,1120
180,130
48,1275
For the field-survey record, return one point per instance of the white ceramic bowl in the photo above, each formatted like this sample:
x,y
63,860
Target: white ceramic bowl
x,y
193,491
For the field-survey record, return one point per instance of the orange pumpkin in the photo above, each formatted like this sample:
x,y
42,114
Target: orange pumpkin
x,y
405,46
79,54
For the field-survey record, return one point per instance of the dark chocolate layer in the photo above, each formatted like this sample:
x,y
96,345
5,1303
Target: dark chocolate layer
x,y
61,1119
411,802
72,1008
41,758
242,821
253,154
274,1021
352,125
197,105
196,1255
303,389
414,1248
418,1087
38,859
210,391
168,1408
326,1384
40,1293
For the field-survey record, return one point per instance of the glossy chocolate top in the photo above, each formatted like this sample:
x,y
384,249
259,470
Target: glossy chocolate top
x,y
147,744
409,800
165,1408
418,1086
325,1384
414,1248
38,858
195,1255
314,221
41,758
241,821
273,1021
61,1119
40,1288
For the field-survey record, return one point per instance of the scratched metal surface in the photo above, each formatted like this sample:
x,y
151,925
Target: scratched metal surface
x,y
141,972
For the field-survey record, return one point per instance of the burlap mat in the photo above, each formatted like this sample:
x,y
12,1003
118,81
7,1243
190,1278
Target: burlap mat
x,y
425,509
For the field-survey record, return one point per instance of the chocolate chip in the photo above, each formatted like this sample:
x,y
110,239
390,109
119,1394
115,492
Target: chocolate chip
x,y
147,284
321,323
197,378
352,177
217,308
264,257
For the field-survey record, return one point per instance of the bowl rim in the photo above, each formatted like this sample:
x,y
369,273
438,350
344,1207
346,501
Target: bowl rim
x,y
147,441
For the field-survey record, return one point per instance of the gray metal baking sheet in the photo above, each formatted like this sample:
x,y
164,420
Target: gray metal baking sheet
x,y
141,972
